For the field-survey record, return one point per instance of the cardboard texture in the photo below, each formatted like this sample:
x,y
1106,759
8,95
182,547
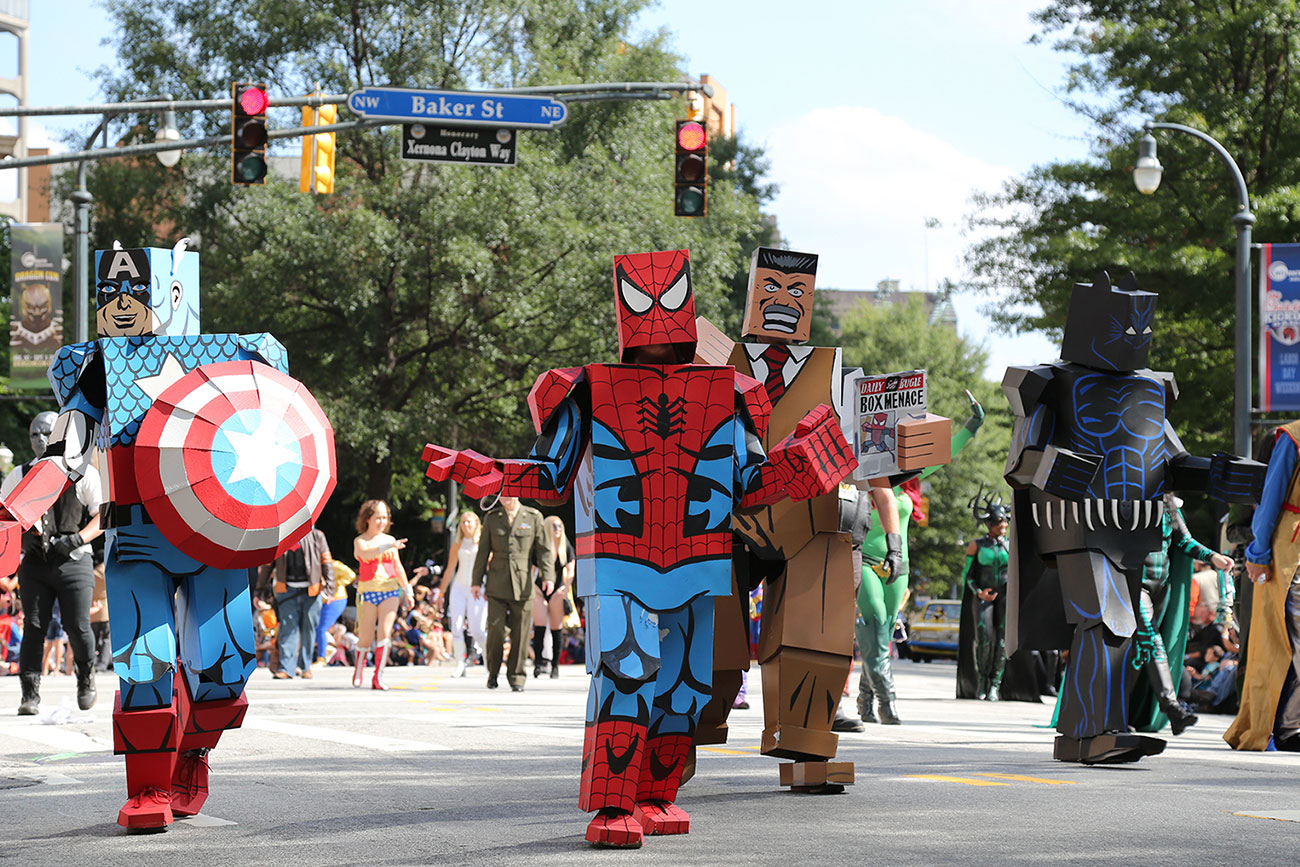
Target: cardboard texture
x,y
217,461
801,690
807,629
816,773
924,442
713,347
779,302
808,614
650,456
1092,454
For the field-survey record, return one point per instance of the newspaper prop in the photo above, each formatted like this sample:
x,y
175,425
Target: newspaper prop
x,y
882,402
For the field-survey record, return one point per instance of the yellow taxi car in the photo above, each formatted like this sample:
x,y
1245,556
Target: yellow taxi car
x,y
932,631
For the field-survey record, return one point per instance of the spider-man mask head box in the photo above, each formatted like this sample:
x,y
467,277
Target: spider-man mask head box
x,y
1109,328
778,306
655,303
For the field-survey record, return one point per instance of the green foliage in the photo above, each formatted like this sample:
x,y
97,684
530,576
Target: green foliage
x,y
1228,68
886,339
420,302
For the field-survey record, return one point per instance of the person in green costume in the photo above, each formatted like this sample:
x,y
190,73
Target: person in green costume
x,y
1166,588
881,593
984,584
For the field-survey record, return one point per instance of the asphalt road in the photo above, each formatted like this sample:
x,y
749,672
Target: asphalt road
x,y
440,770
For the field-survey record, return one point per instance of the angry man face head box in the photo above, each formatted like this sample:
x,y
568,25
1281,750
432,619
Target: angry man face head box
x,y
778,307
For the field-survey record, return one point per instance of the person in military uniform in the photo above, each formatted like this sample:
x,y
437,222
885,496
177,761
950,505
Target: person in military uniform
x,y
513,540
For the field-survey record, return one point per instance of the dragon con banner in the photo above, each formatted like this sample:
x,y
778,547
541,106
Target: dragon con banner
x,y
36,313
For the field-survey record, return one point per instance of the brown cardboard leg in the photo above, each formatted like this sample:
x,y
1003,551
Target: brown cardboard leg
x,y
819,777
790,742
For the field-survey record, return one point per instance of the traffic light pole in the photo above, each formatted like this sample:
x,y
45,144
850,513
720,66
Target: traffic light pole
x,y
605,92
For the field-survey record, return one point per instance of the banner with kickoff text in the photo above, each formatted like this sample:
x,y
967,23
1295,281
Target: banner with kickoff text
x,y
36,312
1279,327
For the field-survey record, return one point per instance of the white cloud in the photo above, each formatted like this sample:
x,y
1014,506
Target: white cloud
x,y
857,187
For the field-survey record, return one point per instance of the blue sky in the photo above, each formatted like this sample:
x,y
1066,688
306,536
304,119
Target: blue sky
x,y
876,115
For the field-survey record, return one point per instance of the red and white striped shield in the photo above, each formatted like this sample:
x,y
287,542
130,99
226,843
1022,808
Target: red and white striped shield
x,y
235,461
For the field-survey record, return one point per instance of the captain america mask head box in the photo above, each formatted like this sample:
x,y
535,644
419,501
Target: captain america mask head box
x,y
778,306
1109,328
655,303
147,291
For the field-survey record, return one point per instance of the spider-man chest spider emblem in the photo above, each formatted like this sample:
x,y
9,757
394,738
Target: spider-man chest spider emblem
x,y
662,416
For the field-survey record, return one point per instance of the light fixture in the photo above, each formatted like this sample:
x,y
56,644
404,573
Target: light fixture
x,y
1146,174
168,133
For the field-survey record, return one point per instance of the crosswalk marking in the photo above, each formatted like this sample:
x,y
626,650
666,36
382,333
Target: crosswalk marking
x,y
1021,779
963,780
60,738
338,736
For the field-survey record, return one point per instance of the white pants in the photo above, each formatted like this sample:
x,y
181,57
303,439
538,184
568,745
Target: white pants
x,y
466,612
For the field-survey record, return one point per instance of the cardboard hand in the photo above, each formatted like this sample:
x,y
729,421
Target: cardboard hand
x,y
478,473
815,457
1236,480
11,546
976,420
1066,474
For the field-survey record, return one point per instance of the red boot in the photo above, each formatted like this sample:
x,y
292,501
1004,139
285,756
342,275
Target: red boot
x,y
611,768
148,738
202,724
661,775
614,829
359,674
381,659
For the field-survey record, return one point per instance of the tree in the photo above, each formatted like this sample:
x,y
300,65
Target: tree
x,y
889,338
1228,68
419,302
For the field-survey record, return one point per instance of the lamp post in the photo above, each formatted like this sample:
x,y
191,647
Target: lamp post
x,y
1146,176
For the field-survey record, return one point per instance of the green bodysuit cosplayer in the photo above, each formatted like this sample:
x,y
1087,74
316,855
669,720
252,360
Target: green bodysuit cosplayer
x,y
879,599
984,603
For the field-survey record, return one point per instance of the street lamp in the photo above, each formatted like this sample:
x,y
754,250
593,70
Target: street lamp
x,y
1146,176
166,133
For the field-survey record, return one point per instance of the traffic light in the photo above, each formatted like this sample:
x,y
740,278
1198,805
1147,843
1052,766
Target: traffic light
x,y
318,151
248,134
690,172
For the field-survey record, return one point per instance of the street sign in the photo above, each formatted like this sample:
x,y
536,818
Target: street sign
x,y
473,146
463,108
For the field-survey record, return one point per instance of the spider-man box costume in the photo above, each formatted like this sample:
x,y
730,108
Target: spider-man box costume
x,y
1091,455
217,461
659,453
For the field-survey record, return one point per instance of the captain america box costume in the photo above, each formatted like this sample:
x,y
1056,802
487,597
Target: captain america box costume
x,y
659,453
216,461
1092,454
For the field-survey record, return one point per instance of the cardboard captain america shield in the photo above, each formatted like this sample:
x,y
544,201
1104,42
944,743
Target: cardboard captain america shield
x,y
235,461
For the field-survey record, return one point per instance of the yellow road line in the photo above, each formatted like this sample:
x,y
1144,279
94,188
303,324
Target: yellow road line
x,y
494,709
727,752
1021,779
962,780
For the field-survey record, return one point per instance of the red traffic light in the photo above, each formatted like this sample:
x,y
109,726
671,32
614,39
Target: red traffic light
x,y
690,136
253,100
